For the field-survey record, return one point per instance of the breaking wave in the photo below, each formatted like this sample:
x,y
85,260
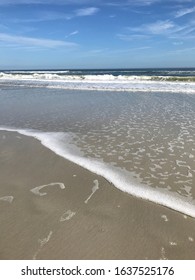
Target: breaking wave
x,y
63,80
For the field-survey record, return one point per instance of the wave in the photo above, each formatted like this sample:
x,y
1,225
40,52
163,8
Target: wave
x,y
61,144
101,82
104,76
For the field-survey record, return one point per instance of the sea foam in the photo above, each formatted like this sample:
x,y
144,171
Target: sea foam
x,y
8,198
60,144
36,190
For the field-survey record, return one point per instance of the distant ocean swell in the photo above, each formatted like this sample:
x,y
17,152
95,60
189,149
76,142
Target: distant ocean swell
x,y
61,144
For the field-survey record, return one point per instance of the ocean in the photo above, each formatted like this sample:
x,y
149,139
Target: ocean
x,y
134,127
180,72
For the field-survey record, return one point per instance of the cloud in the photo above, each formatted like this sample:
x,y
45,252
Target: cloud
x,y
36,42
158,27
53,16
183,50
129,50
147,31
166,28
143,2
86,12
45,2
127,3
184,12
132,37
18,2
72,33
178,43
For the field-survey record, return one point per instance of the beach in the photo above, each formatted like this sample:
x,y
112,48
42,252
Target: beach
x,y
93,169
74,222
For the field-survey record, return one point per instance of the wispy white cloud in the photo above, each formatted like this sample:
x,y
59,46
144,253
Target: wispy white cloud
x,y
147,31
187,50
166,29
184,12
127,3
132,37
178,43
110,52
129,50
54,16
18,2
72,33
86,12
45,2
157,27
143,2
36,42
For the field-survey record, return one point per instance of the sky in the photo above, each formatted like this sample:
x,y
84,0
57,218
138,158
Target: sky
x,y
75,34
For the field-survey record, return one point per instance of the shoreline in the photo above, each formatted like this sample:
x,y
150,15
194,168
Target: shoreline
x,y
88,219
120,179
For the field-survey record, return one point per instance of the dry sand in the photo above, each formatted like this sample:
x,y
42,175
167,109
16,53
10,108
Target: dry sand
x,y
88,219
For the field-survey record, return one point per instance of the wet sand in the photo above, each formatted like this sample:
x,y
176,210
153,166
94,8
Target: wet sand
x,y
51,208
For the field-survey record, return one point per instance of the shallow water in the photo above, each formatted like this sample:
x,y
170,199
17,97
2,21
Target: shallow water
x,y
150,135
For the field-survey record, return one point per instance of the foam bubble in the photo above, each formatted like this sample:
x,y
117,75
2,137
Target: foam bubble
x,y
60,143
36,190
173,243
67,216
163,254
42,243
8,198
164,217
94,189
191,239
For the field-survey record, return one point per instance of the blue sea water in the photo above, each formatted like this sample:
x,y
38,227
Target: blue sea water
x,y
186,72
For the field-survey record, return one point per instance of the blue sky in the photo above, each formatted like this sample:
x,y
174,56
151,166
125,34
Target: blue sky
x,y
38,34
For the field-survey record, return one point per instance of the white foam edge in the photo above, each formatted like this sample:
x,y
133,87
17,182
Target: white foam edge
x,y
121,179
